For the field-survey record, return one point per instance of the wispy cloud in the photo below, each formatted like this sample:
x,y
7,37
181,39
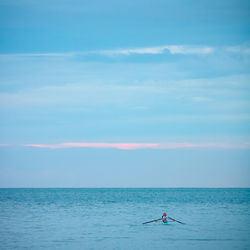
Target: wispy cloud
x,y
127,146
153,50
133,146
211,145
67,54
140,95
172,49
239,49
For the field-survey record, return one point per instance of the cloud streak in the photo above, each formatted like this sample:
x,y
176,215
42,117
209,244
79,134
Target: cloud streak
x,y
172,49
126,146
67,54
155,50
240,49
134,146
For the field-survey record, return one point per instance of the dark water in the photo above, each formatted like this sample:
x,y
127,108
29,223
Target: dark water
x,y
112,218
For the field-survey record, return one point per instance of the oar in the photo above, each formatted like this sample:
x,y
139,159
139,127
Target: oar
x,y
151,221
176,220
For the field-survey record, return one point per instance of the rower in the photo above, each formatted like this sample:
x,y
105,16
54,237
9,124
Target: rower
x,y
164,218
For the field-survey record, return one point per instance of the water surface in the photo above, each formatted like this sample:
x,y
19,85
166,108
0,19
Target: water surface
x,y
112,218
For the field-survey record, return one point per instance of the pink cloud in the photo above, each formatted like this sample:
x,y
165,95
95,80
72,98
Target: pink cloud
x,y
133,146
127,146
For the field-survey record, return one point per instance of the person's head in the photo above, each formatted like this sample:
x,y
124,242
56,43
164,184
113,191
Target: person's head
x,y
164,214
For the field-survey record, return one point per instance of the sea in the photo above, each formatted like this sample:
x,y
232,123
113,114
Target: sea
x,y
112,218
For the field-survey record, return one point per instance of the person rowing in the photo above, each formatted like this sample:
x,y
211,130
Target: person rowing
x,y
164,218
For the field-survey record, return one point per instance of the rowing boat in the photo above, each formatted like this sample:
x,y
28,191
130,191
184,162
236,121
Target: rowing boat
x,y
165,223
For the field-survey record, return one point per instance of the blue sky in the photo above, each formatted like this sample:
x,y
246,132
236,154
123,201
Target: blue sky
x,y
124,94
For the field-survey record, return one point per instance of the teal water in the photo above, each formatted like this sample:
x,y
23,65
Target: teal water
x,y
112,218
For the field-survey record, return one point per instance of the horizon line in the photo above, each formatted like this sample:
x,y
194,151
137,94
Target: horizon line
x,y
125,187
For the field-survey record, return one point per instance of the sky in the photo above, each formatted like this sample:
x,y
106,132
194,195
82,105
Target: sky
x,y
142,93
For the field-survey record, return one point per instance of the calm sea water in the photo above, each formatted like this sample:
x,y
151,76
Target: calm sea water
x,y
112,218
